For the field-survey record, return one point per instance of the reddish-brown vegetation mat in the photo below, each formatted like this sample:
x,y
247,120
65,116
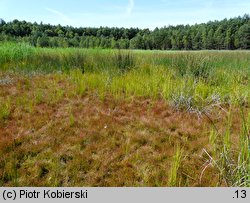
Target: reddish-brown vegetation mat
x,y
83,141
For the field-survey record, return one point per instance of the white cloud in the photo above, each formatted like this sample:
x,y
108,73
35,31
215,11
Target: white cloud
x,y
130,7
63,17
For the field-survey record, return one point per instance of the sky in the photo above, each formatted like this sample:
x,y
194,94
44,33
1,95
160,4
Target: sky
x,y
122,13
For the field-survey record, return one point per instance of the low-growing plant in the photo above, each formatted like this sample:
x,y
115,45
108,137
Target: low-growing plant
x,y
55,95
5,110
71,120
39,96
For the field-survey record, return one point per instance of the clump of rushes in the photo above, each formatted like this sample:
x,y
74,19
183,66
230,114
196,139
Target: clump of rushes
x,y
233,164
198,66
176,162
124,61
243,168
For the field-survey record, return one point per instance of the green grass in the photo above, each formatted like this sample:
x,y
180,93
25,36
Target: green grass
x,y
188,79
176,163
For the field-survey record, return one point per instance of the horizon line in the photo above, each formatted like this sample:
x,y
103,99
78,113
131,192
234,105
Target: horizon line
x,y
141,28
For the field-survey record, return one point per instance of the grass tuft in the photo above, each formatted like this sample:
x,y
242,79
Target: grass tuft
x,y
176,163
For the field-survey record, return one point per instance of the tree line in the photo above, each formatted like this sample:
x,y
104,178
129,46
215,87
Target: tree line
x,y
227,34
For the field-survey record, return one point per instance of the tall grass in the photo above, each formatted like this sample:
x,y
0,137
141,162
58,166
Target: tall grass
x,y
176,163
192,81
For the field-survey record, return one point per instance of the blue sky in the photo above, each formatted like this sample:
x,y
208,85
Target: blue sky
x,y
122,13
